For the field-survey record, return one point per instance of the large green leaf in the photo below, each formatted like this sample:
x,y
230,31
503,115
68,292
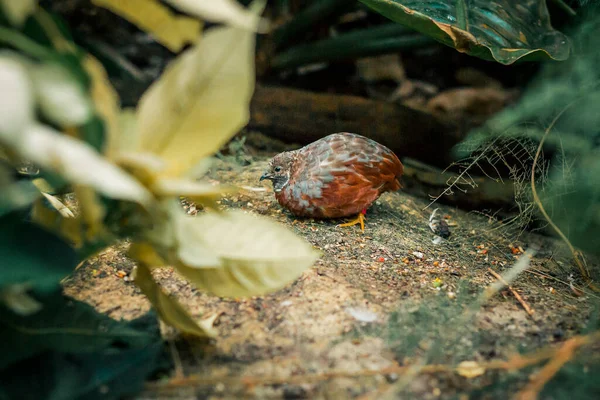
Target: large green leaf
x,y
31,255
500,30
62,325
71,351
570,91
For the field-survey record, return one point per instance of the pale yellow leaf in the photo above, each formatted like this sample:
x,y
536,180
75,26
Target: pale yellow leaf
x,y
17,104
470,369
79,163
168,308
143,252
17,11
60,96
171,30
106,103
146,167
189,233
127,141
229,12
186,187
201,100
92,212
257,255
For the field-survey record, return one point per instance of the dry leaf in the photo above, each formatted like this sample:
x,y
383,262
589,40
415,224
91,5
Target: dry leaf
x,y
257,255
229,12
169,309
201,100
470,369
172,31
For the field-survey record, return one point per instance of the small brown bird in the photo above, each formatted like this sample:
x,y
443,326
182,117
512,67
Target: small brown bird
x,y
337,176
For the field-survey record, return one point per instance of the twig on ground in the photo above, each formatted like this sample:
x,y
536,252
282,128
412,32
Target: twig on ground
x,y
513,291
563,355
558,356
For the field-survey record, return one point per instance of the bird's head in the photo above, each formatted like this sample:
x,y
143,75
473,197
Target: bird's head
x,y
279,170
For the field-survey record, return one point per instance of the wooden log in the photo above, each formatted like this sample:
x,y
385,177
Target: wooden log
x,y
302,117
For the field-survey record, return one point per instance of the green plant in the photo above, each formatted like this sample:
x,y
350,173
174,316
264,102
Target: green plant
x,y
559,112
125,171
500,31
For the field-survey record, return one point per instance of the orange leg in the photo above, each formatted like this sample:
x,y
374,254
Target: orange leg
x,y
359,220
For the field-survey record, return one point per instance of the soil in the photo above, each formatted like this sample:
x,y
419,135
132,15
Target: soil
x,y
373,300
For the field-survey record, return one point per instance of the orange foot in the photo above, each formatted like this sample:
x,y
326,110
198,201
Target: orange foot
x,y
359,220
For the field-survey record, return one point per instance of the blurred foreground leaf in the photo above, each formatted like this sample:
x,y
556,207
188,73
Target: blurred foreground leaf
x,y
69,351
257,255
167,307
201,100
171,30
25,261
17,12
500,30
229,12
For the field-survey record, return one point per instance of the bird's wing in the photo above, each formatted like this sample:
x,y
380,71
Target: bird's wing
x,y
344,174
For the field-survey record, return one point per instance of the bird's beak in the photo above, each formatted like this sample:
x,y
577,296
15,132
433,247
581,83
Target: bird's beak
x,y
264,176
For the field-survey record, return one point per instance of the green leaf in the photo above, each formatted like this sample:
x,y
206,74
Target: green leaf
x,y
574,201
260,257
32,255
71,351
16,195
63,325
501,30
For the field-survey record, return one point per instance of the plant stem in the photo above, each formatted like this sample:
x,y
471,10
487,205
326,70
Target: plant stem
x,y
304,20
361,43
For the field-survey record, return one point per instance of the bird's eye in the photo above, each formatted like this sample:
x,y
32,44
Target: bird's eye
x,y
277,169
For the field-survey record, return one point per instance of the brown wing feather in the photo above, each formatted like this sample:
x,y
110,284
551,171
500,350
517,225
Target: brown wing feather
x,y
340,175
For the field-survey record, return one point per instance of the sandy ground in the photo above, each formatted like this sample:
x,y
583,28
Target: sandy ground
x,y
375,300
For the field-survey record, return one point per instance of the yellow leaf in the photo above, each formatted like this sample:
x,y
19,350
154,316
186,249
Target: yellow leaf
x,y
229,12
60,96
201,100
171,30
79,163
106,102
69,229
470,369
127,141
169,309
257,255
189,188
17,102
17,11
